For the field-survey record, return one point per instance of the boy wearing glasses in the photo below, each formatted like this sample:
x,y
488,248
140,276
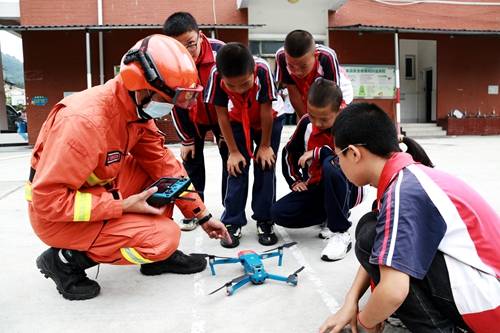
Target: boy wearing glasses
x,y
243,90
320,191
192,125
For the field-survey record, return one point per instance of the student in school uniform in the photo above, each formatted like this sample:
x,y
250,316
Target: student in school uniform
x,y
300,61
192,125
320,191
242,89
431,247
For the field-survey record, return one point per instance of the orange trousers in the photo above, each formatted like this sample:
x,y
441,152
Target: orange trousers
x,y
135,238
130,239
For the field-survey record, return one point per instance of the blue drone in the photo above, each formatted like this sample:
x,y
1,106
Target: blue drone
x,y
254,268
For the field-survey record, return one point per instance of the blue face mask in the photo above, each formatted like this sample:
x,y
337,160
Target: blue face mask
x,y
158,109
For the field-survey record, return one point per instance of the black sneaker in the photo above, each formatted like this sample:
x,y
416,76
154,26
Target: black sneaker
x,y
266,234
70,278
178,263
235,233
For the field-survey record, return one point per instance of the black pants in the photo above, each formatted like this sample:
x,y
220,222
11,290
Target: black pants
x,y
195,167
429,306
329,201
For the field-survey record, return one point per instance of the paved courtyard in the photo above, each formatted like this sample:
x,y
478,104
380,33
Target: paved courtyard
x,y
130,302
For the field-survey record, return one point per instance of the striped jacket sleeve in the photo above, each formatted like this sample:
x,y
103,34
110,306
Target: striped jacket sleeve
x,y
280,71
268,90
408,224
213,91
292,152
329,63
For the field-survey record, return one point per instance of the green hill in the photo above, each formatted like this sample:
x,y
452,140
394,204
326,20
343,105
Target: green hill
x,y
13,70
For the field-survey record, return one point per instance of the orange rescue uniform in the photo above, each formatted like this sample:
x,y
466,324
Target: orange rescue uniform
x,y
91,153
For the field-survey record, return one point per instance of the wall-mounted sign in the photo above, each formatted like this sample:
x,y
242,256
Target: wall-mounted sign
x,y
39,100
372,81
493,89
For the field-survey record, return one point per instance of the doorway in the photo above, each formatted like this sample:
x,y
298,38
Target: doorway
x,y
418,80
428,95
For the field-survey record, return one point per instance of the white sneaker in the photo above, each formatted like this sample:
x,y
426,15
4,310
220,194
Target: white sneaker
x,y
325,232
338,245
189,224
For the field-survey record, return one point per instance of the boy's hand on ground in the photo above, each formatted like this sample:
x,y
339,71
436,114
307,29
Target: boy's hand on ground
x,y
233,164
137,203
299,187
346,315
215,229
306,157
187,152
265,157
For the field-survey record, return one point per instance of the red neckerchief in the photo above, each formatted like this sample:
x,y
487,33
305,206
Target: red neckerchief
x,y
394,164
206,56
318,138
303,84
240,105
204,64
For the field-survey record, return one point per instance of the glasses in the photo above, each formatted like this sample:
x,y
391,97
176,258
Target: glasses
x,y
336,157
193,45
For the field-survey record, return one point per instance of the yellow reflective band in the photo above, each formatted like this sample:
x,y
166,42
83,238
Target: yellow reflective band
x,y
28,195
131,255
191,188
93,180
83,207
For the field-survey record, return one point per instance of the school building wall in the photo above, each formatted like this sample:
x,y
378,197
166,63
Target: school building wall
x,y
68,12
466,65
55,62
365,49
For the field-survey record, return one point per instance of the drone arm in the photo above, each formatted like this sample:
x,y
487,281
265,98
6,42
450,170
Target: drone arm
x,y
277,277
214,262
278,253
232,289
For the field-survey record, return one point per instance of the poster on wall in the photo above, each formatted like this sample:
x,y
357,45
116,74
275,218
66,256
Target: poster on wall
x,y
372,81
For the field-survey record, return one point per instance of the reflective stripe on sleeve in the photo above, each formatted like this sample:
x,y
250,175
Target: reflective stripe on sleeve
x,y
131,255
93,180
83,207
28,195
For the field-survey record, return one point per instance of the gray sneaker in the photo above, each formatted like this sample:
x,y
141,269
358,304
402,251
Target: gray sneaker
x,y
189,224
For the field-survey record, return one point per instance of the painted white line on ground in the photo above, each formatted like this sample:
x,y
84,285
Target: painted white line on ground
x,y
309,272
198,323
6,194
14,157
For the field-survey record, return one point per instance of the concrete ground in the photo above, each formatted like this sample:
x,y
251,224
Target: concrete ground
x,y
11,139
130,302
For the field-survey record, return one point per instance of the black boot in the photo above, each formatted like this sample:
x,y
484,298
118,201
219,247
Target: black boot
x,y
178,263
70,278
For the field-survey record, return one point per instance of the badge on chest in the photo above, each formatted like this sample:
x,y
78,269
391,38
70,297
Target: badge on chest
x,y
113,157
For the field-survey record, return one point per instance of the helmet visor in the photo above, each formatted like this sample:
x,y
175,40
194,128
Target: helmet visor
x,y
186,97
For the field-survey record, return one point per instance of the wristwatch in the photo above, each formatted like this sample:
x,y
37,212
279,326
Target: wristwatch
x,y
204,219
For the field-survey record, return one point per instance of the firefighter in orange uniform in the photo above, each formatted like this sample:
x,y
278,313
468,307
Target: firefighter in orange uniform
x,y
96,153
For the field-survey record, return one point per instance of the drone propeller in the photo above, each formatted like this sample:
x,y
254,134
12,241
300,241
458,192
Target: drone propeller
x,y
298,271
205,255
281,247
235,280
